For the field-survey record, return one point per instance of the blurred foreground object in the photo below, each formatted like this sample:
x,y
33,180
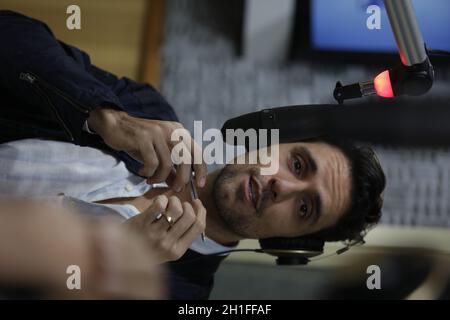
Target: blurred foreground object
x,y
39,241
405,273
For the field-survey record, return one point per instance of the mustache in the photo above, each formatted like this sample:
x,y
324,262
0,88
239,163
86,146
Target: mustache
x,y
266,193
265,197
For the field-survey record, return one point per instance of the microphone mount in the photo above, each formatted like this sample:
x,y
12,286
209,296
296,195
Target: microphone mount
x,y
413,77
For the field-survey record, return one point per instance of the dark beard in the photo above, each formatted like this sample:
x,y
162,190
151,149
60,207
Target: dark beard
x,y
238,224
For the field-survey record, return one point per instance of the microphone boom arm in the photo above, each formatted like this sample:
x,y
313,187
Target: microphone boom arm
x,y
408,37
414,76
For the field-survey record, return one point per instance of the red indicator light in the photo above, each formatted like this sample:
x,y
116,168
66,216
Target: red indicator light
x,y
382,84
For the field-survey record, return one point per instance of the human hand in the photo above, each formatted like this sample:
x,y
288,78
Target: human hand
x,y
179,224
148,141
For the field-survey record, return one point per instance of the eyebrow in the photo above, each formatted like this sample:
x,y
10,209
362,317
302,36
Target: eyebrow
x,y
312,166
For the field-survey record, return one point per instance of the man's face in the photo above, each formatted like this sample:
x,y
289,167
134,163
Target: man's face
x,y
310,192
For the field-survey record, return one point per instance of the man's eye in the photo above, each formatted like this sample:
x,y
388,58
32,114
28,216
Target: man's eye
x,y
303,209
298,166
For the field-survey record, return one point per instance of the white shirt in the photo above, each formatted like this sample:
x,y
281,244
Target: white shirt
x,y
81,175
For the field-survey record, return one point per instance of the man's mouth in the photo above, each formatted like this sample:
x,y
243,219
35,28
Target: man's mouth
x,y
253,192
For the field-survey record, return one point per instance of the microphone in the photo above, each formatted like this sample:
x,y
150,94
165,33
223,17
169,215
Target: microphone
x,y
402,123
295,123
412,80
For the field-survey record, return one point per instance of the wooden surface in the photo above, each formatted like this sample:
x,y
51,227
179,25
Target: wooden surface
x,y
151,44
112,31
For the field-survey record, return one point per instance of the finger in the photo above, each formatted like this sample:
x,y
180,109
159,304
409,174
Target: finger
x,y
201,172
184,160
158,206
182,177
184,169
171,178
200,167
197,227
184,223
159,226
173,213
149,159
165,162
174,208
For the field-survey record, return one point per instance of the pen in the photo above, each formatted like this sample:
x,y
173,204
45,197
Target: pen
x,y
194,195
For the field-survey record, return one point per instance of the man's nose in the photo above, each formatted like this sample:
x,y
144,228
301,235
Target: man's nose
x,y
283,189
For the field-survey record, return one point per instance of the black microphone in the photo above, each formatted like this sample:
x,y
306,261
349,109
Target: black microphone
x,y
295,123
404,122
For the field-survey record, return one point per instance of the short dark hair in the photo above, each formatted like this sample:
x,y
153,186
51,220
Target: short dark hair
x,y
368,183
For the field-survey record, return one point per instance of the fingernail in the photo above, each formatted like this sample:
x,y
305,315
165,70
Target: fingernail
x,y
202,182
177,189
